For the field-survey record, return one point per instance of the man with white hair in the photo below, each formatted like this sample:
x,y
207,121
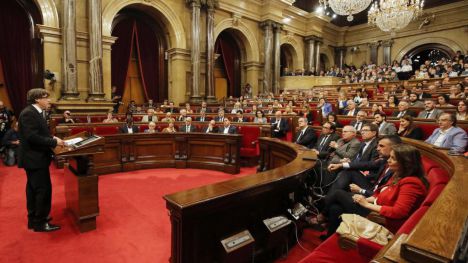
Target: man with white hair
x,y
403,110
279,126
188,127
150,116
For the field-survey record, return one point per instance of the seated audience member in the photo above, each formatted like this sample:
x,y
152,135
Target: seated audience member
x,y
376,108
211,128
11,142
443,101
132,107
150,104
204,107
279,126
448,135
403,110
364,103
461,111
408,129
188,127
237,107
325,107
421,94
110,118
385,128
351,109
171,108
129,127
227,127
260,117
202,117
396,200
360,120
288,110
456,91
305,135
270,110
168,117
150,116
67,118
170,128
306,113
240,117
414,102
151,128
183,115
188,109
322,148
392,101
430,111
220,117
333,119
342,102
346,147
158,111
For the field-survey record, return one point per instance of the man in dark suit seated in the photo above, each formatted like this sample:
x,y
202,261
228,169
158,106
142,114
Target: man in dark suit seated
x,y
240,117
305,135
34,156
129,127
360,120
211,128
351,109
279,126
227,127
403,110
367,153
202,117
220,117
171,108
188,127
322,148
67,118
204,108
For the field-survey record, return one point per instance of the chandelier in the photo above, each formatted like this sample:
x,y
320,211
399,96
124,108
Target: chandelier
x,y
393,15
346,7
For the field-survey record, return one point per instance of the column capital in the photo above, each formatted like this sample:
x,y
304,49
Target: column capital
x,y
342,48
387,43
373,44
277,26
267,24
193,3
313,38
210,4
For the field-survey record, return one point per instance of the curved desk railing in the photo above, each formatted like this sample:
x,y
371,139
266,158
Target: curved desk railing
x,y
438,235
203,216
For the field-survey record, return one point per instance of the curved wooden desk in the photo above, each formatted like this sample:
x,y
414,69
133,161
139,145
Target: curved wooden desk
x,y
203,216
127,152
437,236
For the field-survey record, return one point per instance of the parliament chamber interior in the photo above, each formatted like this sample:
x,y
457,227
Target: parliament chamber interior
x,y
234,131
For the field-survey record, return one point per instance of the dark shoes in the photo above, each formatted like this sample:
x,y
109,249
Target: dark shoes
x,y
46,227
31,224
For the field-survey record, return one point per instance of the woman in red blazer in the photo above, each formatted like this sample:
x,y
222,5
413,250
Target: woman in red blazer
x,y
397,199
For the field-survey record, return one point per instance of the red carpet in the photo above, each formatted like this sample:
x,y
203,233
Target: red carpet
x,y
133,225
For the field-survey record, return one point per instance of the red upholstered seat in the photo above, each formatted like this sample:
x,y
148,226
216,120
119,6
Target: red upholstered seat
x,y
411,222
428,164
249,147
330,251
137,118
76,130
428,129
106,130
143,127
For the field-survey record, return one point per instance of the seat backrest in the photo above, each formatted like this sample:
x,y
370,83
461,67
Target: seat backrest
x,y
428,164
106,130
76,130
413,220
250,134
427,128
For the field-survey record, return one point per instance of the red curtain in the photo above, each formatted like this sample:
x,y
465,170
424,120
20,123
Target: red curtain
x,y
147,51
121,52
15,52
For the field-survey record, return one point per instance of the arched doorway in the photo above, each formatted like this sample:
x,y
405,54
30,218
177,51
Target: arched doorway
x,y
431,52
139,67
21,52
287,59
228,63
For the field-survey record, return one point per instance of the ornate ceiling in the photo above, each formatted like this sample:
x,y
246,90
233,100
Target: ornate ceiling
x,y
361,18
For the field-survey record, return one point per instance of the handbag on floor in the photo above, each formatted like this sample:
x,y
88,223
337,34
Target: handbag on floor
x,y
355,226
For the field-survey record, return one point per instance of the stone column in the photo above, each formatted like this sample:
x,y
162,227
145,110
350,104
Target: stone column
x,y
96,91
318,43
310,54
340,53
70,89
373,52
276,57
195,54
387,47
210,41
268,50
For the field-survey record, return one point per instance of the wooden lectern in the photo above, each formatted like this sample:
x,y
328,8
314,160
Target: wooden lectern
x,y
81,181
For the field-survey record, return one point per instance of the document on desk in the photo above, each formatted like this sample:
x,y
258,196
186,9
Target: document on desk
x,y
73,141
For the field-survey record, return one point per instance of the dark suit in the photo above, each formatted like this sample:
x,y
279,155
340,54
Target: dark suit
x,y
219,119
356,110
171,110
186,128
124,129
281,131
408,112
244,119
308,139
416,133
310,118
215,129
231,130
205,119
353,123
324,148
34,156
424,95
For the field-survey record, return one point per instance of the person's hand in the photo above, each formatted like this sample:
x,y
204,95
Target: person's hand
x,y
345,160
334,166
401,129
60,142
315,151
15,142
360,199
355,188
333,144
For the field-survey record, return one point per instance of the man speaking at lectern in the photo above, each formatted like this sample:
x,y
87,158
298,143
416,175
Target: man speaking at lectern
x,y
35,151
